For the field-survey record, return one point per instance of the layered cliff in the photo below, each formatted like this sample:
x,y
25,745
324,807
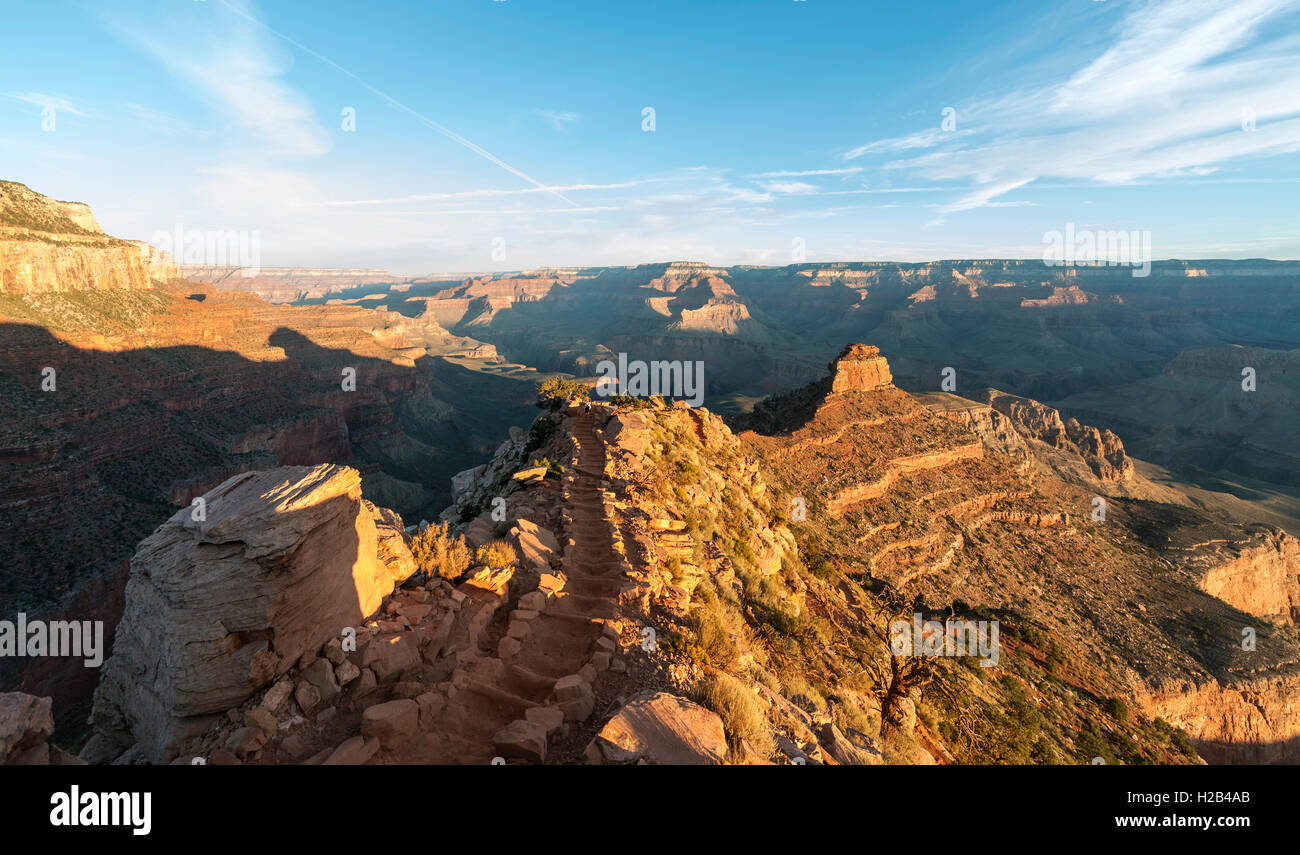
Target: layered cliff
x,y
47,246
1092,342
289,284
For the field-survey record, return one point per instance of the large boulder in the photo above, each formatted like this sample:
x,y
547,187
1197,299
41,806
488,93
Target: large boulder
x,y
535,545
629,432
390,536
662,730
220,603
26,721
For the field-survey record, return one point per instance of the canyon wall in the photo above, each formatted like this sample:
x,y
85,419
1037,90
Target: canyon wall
x,y
48,246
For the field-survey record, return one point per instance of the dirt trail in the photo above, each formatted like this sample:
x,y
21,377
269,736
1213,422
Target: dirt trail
x,y
489,691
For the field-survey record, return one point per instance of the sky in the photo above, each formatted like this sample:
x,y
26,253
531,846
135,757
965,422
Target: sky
x,y
480,135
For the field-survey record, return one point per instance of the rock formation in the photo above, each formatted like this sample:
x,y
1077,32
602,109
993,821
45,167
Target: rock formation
x,y
661,730
134,393
26,722
47,246
859,368
218,607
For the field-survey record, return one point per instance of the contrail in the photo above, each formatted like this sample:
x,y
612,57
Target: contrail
x,y
442,129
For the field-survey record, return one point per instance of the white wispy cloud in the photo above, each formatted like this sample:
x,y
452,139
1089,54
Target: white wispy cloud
x,y
498,212
484,192
230,63
928,138
789,188
803,173
389,99
1183,88
159,120
559,119
59,103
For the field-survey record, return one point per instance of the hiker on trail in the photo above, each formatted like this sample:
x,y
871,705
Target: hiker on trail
x,y
586,408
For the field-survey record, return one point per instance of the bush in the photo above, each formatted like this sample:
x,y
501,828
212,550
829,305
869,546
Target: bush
x,y
677,644
686,472
817,564
712,636
741,715
1116,709
496,555
553,469
1183,743
631,401
555,392
740,550
540,434
439,553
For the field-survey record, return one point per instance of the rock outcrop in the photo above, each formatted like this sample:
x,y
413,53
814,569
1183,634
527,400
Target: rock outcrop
x,y
1259,575
661,730
859,368
47,246
26,722
218,606
1100,449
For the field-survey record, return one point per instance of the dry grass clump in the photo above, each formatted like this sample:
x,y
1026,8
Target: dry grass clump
x,y
496,555
741,715
438,552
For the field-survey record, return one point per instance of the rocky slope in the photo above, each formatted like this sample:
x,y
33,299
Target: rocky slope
x,y
510,664
1085,614
680,592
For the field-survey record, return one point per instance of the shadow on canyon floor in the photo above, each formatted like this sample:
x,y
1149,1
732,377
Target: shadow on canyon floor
x,y
115,442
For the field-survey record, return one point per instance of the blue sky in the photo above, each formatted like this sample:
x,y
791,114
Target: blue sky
x,y
517,126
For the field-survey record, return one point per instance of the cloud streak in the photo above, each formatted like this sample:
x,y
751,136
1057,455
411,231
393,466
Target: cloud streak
x,y
425,120
1185,88
59,103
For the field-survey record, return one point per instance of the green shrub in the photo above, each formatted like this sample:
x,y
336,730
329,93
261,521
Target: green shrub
x,y
555,392
553,469
1183,743
818,565
679,645
540,434
631,401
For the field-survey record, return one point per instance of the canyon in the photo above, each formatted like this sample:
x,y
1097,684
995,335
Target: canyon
x,y
129,392
688,584
1158,360
765,625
